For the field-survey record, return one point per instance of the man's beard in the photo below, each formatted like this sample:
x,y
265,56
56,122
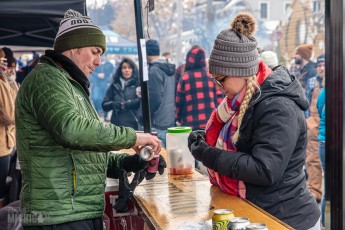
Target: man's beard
x,y
298,61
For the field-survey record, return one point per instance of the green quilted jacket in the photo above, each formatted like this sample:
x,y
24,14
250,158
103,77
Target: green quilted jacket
x,y
63,148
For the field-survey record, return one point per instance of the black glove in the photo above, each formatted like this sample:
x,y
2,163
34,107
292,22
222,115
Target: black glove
x,y
126,189
197,144
161,166
193,137
133,163
117,106
127,104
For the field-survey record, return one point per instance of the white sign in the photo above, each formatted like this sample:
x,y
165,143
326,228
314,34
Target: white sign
x,y
143,56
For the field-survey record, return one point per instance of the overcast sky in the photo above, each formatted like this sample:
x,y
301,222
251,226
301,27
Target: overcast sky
x,y
99,3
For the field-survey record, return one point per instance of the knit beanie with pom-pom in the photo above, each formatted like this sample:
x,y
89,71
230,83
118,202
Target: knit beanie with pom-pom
x,y
234,51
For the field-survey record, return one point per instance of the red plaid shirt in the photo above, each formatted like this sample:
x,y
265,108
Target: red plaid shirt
x,y
196,95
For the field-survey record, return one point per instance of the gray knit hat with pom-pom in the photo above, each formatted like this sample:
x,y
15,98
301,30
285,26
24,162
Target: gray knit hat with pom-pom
x,y
77,31
234,51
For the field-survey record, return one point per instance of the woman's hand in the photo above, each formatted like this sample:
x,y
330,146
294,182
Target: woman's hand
x,y
197,144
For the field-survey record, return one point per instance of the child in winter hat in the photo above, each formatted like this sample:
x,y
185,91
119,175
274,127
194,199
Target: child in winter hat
x,y
77,31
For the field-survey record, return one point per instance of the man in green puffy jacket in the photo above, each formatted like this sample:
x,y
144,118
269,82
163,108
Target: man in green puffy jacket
x,y
63,146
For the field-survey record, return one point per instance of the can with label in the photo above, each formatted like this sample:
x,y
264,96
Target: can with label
x,y
220,219
238,223
256,226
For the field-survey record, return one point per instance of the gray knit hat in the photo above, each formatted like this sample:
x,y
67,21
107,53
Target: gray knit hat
x,y
234,51
77,31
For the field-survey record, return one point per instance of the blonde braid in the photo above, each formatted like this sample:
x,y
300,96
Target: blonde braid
x,y
251,86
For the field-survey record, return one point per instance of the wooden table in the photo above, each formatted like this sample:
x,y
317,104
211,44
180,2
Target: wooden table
x,y
167,201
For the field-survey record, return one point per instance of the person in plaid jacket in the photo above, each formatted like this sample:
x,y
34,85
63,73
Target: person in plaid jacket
x,y
196,95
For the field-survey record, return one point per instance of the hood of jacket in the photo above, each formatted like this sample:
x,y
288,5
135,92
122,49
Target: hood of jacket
x,y
281,83
134,80
195,59
165,65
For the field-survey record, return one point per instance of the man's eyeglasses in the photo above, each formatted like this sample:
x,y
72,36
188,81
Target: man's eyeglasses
x,y
219,82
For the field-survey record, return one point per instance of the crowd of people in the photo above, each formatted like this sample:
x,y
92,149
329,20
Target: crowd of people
x,y
273,156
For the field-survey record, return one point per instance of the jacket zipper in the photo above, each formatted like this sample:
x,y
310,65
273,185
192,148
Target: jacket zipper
x,y
74,180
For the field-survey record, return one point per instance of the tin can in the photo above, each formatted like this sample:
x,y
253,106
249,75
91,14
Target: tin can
x,y
238,223
153,158
256,226
145,153
220,219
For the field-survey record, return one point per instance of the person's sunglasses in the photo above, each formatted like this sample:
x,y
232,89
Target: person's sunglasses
x,y
219,82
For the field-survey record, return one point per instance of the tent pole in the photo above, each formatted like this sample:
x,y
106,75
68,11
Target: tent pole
x,y
143,84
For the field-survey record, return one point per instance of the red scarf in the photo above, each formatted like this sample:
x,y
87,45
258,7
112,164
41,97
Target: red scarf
x,y
220,135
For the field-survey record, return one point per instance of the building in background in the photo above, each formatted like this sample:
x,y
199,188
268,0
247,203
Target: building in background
x,y
304,25
199,21
178,25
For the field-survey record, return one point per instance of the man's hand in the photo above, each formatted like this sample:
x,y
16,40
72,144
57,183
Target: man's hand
x,y
147,139
161,166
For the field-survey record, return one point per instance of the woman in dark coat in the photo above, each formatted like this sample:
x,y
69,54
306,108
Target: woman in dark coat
x,y
121,95
255,142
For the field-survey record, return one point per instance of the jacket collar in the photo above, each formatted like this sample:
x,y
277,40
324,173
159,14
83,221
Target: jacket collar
x,y
71,68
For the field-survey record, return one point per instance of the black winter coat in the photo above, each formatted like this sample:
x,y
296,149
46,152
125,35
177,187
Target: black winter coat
x,y
128,114
272,151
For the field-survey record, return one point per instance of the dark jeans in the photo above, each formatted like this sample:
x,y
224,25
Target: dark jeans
x,y
91,224
4,167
